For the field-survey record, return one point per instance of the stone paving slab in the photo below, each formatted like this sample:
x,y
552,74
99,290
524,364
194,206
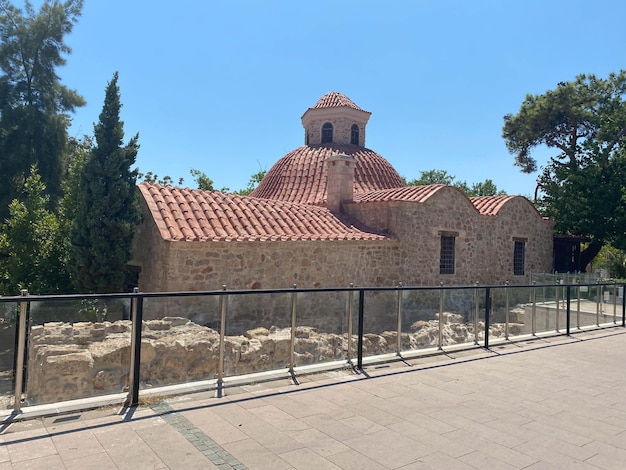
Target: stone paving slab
x,y
543,403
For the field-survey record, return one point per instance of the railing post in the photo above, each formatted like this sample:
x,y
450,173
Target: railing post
x,y
440,337
220,366
598,308
350,307
568,294
476,313
624,305
558,301
360,328
533,312
578,308
614,303
294,302
136,315
487,314
399,332
506,311
21,351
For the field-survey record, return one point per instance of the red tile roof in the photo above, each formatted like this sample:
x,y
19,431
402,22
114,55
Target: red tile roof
x,y
194,215
490,205
334,99
406,193
300,176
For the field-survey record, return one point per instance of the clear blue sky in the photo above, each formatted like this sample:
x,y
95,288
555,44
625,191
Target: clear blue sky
x,y
221,86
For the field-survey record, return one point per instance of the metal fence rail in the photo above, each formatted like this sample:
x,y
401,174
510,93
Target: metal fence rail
x,y
553,308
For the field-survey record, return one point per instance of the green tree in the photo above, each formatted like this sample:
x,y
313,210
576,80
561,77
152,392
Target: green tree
x,y
432,177
486,188
253,182
202,180
153,178
34,105
612,260
108,208
583,185
33,252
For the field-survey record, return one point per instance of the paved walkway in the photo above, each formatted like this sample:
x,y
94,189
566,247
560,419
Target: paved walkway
x,y
543,404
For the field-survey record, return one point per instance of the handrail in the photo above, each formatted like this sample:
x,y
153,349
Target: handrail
x,y
137,301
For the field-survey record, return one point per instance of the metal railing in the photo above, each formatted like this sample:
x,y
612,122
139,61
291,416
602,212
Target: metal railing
x,y
392,322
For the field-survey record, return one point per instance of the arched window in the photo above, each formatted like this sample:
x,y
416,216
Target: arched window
x,y
327,133
354,134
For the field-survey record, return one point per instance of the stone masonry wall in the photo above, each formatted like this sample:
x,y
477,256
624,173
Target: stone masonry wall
x,y
483,251
483,244
342,130
80,360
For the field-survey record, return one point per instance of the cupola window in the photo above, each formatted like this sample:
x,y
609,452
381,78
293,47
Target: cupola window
x,y
327,133
354,135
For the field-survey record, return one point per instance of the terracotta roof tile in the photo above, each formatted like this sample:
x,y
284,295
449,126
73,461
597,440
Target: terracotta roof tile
x,y
194,215
300,176
334,99
490,205
406,193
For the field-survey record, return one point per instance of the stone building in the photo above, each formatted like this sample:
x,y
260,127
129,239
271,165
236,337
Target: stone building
x,y
334,212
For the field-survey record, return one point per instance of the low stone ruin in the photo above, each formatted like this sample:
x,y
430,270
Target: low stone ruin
x,y
68,361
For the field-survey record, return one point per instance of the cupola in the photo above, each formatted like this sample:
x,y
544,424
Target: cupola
x,y
335,119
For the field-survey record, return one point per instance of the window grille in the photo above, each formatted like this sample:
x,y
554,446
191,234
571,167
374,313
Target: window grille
x,y
519,258
327,133
446,260
354,134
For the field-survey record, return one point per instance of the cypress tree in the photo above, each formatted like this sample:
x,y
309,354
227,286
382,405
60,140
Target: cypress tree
x,y
107,211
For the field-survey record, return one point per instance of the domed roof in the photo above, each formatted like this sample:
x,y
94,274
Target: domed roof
x,y
300,176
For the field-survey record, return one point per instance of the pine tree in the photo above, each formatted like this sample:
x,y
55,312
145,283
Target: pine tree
x,y
108,208
34,105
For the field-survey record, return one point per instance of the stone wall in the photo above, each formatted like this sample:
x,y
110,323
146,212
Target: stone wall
x,y
342,129
484,251
483,244
91,359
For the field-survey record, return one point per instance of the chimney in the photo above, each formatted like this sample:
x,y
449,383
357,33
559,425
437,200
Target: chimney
x,y
340,183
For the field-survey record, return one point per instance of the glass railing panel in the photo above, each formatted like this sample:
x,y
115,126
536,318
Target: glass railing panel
x,y
258,333
420,319
321,327
77,348
179,339
520,310
8,329
459,310
498,313
545,308
380,322
608,304
586,305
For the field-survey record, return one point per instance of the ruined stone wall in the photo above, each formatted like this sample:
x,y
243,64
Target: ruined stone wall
x,y
81,360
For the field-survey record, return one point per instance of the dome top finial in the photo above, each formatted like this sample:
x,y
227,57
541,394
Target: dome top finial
x,y
334,99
